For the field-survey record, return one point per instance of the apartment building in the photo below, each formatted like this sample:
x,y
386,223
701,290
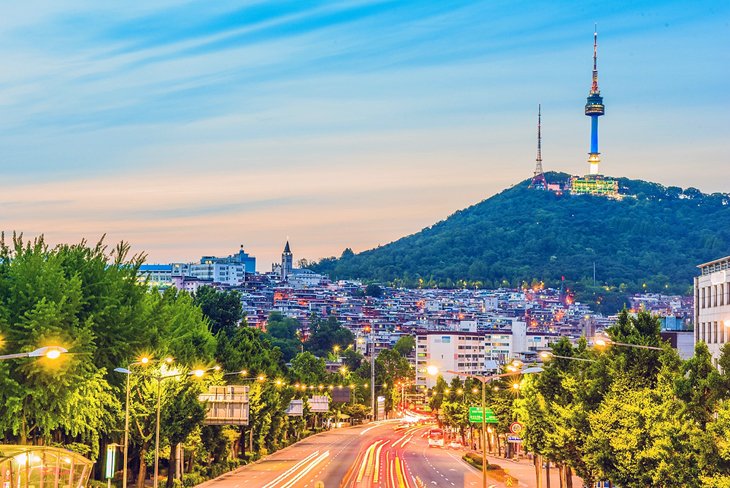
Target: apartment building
x,y
712,305
448,351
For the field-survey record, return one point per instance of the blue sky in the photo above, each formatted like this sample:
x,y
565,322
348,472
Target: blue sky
x,y
188,128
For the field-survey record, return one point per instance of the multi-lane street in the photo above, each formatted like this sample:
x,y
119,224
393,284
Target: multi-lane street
x,y
385,454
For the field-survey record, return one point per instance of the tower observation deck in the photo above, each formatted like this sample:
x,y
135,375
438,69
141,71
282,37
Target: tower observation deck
x,y
594,183
594,109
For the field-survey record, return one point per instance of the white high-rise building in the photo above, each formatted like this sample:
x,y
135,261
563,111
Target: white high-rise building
x,y
712,305
448,351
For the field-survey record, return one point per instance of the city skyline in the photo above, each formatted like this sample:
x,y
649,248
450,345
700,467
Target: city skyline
x,y
190,129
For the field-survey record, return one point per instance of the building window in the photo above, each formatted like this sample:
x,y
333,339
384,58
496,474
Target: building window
x,y
722,333
702,291
714,328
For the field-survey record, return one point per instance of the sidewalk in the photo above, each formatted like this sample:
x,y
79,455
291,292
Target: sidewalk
x,y
524,471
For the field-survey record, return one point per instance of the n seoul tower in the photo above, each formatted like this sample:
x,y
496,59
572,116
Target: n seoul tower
x,y
594,109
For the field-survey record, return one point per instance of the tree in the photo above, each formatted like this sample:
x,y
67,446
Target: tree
x,y
43,301
373,290
351,359
283,332
700,385
405,346
223,308
326,334
182,413
282,327
308,369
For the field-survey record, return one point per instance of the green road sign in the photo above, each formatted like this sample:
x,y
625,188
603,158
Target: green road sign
x,y
475,415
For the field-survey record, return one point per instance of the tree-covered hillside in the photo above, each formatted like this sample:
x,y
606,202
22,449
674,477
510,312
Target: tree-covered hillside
x,y
650,240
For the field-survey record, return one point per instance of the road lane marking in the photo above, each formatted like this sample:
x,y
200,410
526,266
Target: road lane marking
x,y
399,469
392,473
289,471
306,470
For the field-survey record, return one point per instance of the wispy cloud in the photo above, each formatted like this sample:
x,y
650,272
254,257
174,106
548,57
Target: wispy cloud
x,y
179,124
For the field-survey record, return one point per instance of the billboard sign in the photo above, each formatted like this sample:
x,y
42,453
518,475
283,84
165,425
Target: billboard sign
x,y
341,394
319,403
296,408
381,408
227,405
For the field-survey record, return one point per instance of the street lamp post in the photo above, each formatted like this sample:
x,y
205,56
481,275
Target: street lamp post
x,y
372,377
197,373
609,342
158,378
550,355
125,454
50,352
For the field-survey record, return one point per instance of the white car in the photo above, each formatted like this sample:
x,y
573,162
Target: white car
x,y
455,445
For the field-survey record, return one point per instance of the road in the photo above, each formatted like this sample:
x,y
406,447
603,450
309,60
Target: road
x,y
383,454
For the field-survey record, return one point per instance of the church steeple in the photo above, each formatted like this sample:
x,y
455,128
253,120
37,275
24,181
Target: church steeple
x,y
287,262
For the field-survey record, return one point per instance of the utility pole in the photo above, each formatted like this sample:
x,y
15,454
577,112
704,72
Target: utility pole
x,y
372,376
594,273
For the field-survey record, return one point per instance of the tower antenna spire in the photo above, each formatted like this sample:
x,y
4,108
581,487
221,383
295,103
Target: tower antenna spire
x,y
538,179
539,133
594,86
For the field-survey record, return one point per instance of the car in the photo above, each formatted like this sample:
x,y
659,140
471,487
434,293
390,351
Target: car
x,y
455,445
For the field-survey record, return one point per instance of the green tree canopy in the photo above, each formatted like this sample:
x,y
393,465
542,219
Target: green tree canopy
x,y
223,308
327,333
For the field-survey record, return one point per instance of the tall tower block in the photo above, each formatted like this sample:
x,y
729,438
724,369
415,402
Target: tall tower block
x,y
538,179
594,109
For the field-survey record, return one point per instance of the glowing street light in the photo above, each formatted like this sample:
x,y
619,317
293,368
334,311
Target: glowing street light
x,y
547,355
432,370
49,352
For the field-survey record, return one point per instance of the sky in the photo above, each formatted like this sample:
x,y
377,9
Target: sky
x,y
189,128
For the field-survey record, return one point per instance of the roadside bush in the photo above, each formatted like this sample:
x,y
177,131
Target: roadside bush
x,y
476,460
192,479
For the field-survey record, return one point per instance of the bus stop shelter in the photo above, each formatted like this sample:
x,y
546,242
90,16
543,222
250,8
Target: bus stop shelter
x,y
23,466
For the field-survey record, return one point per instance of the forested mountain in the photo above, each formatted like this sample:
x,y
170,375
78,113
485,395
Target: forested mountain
x,y
650,240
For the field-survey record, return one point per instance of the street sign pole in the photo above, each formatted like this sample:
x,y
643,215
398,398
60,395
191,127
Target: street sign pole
x,y
111,463
484,434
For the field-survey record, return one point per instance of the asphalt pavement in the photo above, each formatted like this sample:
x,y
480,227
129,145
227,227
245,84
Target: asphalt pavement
x,y
377,455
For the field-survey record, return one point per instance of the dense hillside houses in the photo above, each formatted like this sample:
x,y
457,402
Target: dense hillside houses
x,y
509,322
